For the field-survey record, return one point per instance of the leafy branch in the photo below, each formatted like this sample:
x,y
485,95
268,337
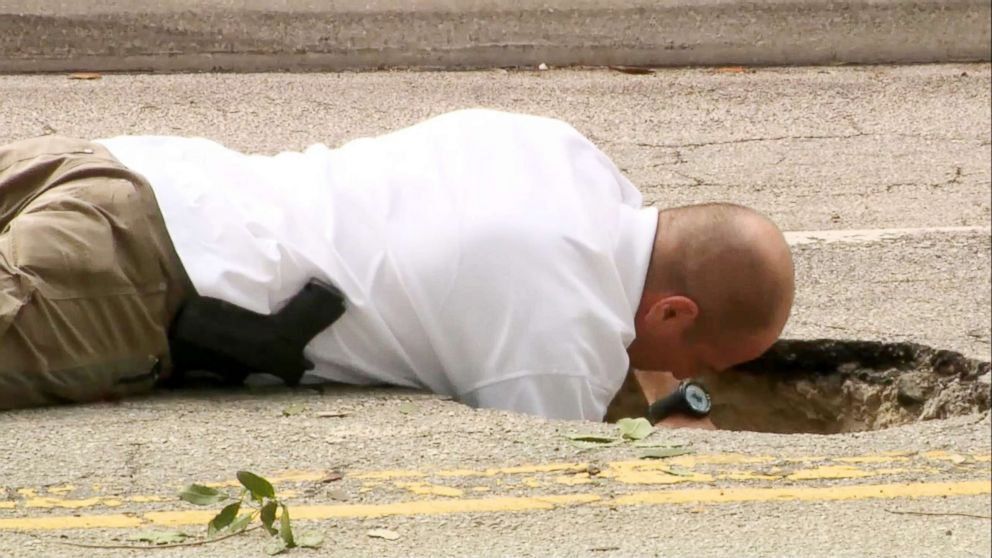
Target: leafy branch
x,y
257,500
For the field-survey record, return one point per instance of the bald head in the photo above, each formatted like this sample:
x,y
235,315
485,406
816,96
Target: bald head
x,y
732,261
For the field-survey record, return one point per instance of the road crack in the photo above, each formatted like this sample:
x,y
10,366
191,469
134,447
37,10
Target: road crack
x,y
748,140
812,137
131,465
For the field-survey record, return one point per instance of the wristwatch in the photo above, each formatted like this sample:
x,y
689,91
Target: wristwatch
x,y
690,398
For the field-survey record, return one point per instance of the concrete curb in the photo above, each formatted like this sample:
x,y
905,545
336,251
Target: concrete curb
x,y
300,35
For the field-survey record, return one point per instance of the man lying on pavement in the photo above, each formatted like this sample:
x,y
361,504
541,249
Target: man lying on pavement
x,y
501,259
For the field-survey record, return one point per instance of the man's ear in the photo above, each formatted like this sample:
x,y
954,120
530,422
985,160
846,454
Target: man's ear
x,y
678,312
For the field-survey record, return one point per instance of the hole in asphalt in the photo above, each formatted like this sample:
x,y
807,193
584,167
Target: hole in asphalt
x,y
829,386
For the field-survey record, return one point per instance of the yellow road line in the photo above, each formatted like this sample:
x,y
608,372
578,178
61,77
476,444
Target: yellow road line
x,y
850,492
521,504
685,469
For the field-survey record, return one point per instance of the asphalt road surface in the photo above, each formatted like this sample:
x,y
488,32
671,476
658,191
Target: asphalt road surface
x,y
881,175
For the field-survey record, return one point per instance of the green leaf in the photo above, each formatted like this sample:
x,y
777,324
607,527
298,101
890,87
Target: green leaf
x,y
268,516
159,537
582,445
285,529
259,487
597,438
652,445
293,409
240,523
310,539
635,429
407,408
200,495
223,519
277,546
662,453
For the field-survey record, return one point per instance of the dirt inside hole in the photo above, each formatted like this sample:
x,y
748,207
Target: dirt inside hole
x,y
829,386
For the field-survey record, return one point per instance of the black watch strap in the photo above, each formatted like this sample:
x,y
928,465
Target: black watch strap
x,y
666,406
675,403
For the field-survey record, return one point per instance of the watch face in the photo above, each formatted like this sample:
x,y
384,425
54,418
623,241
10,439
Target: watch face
x,y
697,398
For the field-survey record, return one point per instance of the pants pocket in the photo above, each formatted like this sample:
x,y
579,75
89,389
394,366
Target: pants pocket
x,y
85,239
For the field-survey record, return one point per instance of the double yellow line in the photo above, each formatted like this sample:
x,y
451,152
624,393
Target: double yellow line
x,y
685,472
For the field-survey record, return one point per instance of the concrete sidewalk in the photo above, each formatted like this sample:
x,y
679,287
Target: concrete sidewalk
x,y
295,35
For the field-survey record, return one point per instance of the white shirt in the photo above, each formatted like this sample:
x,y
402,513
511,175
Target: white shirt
x,y
497,258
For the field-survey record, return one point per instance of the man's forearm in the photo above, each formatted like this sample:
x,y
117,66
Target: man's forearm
x,y
655,385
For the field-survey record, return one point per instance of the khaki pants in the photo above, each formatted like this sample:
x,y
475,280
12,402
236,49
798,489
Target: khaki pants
x,y
89,279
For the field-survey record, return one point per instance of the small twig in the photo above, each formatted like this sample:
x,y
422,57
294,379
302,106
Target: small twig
x,y
975,515
157,546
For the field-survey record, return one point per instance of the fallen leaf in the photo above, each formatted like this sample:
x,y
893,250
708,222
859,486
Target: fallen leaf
x,y
310,539
407,408
85,75
592,441
339,495
776,472
958,459
662,453
633,70
159,537
383,534
731,70
583,445
652,445
597,438
331,476
678,472
293,409
331,414
277,546
635,429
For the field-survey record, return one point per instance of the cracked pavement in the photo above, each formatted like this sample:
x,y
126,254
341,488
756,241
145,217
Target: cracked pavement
x,y
882,175
821,148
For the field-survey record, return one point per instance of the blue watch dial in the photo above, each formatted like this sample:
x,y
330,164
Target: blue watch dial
x,y
697,398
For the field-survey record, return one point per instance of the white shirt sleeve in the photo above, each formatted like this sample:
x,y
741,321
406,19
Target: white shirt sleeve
x,y
549,395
